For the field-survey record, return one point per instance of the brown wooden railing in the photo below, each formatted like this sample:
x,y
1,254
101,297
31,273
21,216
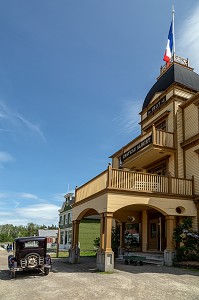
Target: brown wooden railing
x,y
92,187
159,137
134,181
163,138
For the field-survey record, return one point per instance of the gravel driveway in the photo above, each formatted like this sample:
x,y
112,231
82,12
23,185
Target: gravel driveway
x,y
81,281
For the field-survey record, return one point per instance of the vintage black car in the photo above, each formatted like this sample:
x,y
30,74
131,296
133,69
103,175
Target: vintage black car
x,y
29,253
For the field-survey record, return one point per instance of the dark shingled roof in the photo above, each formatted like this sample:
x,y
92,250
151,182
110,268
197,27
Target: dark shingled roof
x,y
176,73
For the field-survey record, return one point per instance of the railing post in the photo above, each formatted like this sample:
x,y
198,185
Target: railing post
x,y
193,186
109,179
76,194
169,184
154,134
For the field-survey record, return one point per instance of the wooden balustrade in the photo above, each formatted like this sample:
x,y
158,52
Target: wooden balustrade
x,y
91,187
134,181
164,138
159,137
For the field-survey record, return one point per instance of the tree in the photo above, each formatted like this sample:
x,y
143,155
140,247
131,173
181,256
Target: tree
x,y
187,241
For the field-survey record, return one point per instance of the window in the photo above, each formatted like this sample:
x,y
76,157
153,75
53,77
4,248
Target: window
x,y
162,126
31,244
159,169
69,236
153,230
69,218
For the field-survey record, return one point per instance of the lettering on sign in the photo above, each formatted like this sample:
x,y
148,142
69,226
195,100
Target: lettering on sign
x,y
156,106
137,148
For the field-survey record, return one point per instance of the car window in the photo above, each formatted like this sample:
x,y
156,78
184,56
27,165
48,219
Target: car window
x,y
31,244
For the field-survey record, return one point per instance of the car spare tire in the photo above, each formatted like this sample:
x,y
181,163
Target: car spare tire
x,y
32,260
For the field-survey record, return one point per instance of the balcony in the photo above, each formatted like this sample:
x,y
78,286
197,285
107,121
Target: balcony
x,y
147,148
122,180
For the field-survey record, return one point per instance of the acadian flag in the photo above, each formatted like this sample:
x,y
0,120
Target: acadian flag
x,y
169,49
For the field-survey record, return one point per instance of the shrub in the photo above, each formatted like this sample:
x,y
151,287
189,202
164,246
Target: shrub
x,y
184,234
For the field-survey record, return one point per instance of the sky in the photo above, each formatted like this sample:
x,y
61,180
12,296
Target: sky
x,y
73,78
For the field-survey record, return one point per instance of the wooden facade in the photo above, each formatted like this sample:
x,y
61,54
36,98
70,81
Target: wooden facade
x,y
153,181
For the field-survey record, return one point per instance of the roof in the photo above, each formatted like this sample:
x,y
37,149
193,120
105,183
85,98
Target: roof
x,y
175,74
48,232
30,238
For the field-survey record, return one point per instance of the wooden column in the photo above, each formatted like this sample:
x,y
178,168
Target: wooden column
x,y
109,179
102,231
170,222
197,217
108,231
75,233
73,227
154,134
144,230
122,232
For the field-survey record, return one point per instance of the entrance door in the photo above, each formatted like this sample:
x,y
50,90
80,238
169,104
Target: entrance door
x,y
153,234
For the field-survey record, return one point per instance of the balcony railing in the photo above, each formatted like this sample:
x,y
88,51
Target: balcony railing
x,y
134,181
155,136
175,58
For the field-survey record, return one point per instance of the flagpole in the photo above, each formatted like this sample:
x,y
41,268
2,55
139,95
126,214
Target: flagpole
x,y
174,46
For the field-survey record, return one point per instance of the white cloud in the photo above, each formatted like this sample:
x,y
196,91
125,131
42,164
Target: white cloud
x,y
127,120
40,213
4,158
31,126
187,42
2,214
11,121
27,196
20,208
2,195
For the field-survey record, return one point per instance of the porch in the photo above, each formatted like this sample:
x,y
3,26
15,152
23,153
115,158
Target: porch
x,y
151,201
130,181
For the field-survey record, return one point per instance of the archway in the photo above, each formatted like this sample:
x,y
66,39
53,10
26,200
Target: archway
x,y
142,228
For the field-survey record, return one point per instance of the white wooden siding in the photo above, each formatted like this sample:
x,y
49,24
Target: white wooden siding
x,y
191,121
192,166
180,162
182,93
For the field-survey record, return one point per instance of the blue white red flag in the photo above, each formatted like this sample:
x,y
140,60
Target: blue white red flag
x,y
169,48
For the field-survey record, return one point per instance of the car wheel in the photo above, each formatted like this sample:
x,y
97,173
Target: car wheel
x,y
12,274
32,260
46,271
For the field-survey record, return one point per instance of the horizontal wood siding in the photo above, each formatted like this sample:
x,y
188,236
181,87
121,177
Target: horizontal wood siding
x,y
179,139
191,121
192,166
183,94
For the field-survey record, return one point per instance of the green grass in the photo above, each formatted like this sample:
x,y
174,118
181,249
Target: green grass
x,y
87,253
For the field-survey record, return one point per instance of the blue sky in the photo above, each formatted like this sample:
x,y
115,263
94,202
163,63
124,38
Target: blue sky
x,y
73,77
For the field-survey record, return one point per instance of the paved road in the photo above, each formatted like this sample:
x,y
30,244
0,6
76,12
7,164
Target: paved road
x,y
81,281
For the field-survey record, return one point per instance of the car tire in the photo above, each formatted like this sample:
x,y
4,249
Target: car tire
x,y
46,271
12,274
32,260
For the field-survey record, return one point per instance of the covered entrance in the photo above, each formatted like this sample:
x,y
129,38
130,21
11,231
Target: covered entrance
x,y
156,232
142,229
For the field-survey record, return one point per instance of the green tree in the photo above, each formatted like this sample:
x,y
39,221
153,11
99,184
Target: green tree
x,y
32,229
187,241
